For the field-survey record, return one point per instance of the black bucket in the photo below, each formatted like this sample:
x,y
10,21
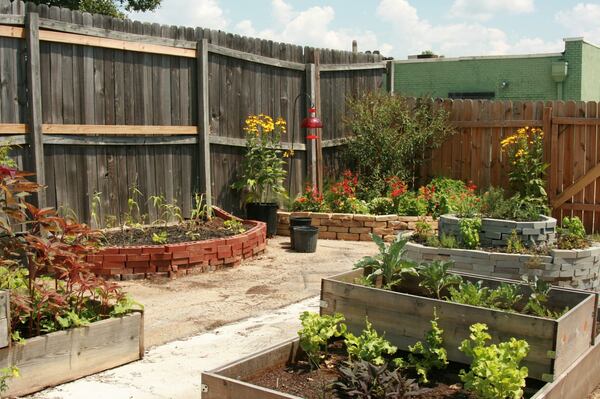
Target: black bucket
x,y
295,222
305,238
264,212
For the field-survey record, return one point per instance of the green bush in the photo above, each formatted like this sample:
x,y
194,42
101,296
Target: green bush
x,y
469,232
571,235
381,206
411,204
496,205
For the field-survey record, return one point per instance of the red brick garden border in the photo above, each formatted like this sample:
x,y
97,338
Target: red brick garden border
x,y
137,262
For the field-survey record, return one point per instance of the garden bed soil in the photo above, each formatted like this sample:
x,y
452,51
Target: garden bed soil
x,y
176,233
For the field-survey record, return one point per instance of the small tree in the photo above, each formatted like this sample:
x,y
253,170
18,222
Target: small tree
x,y
113,8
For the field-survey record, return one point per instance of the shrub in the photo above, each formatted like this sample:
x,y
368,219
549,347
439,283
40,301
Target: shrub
x,y
514,243
517,207
381,206
571,235
411,204
444,195
423,232
368,346
469,232
316,333
310,201
341,196
495,371
448,241
390,136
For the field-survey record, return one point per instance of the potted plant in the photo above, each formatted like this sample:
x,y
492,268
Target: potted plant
x,y
262,177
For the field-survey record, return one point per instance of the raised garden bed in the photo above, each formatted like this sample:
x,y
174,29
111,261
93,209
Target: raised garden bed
x,y
63,356
229,381
574,268
141,261
353,227
554,344
495,232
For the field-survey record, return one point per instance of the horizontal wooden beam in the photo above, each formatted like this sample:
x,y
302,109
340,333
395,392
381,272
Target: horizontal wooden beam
x,y
567,120
334,142
576,187
11,19
13,140
12,128
118,140
121,130
236,142
577,206
498,123
351,67
12,31
259,59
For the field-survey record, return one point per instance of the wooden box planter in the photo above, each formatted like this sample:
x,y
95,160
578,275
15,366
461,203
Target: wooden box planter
x,y
351,227
576,268
495,232
64,356
227,382
405,318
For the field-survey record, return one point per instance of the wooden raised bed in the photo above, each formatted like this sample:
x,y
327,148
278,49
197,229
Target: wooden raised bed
x,y
405,318
64,356
226,382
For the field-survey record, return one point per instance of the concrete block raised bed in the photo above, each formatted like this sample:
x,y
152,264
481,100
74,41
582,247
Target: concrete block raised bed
x,y
351,227
227,382
554,344
495,232
577,268
63,356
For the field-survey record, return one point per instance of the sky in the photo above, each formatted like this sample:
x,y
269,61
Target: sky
x,y
397,28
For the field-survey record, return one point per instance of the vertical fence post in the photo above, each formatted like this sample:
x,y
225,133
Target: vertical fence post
x,y
311,145
317,100
34,103
550,150
389,76
203,122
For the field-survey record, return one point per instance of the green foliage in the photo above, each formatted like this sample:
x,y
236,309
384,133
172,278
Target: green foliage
x,y
113,8
133,217
388,263
429,355
166,212
234,225
538,299
6,374
514,245
316,332
411,204
5,159
390,136
496,205
161,237
381,206
309,201
495,371
125,305
262,173
422,233
435,277
444,195
364,380
201,210
448,241
571,235
469,293
368,346
469,232
341,196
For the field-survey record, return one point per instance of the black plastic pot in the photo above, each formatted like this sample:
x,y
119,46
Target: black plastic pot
x,y
264,212
305,238
295,222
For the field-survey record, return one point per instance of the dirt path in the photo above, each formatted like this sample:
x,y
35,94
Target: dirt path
x,y
190,305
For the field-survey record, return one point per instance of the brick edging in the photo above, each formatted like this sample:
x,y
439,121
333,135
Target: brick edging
x,y
170,260
353,227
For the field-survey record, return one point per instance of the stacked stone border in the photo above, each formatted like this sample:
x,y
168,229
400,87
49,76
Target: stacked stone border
x,y
495,232
578,268
172,260
353,227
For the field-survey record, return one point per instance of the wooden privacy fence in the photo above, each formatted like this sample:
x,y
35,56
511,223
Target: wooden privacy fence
x,y
100,104
572,149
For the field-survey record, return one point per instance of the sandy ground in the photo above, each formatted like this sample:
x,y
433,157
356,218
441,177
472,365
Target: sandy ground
x,y
190,305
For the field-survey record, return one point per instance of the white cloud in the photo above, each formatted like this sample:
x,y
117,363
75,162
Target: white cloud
x,y
582,20
485,9
204,13
414,35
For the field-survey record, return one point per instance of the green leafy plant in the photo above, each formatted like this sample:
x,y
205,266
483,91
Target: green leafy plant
x,y
411,204
125,305
161,237
166,212
364,380
6,373
514,245
5,159
262,175
201,211
429,355
311,200
495,371
435,278
448,241
368,346
316,333
133,217
341,196
388,263
506,296
469,232
234,225
469,293
571,235
423,232
381,206
537,303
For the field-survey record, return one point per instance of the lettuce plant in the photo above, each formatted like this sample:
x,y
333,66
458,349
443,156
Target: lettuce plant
x,y
369,346
316,332
429,355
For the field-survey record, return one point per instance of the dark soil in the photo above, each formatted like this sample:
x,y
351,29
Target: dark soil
x,y
183,232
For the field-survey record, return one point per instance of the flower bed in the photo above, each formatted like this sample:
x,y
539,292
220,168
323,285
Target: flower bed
x,y
136,262
353,227
496,232
576,268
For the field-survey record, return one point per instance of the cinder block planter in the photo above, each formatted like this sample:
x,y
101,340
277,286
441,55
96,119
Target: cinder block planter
x,y
495,232
351,227
64,356
405,318
138,262
577,268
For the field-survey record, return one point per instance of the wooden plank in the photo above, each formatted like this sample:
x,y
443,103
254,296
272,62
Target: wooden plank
x,y
64,356
220,387
8,19
498,123
13,128
12,31
204,163
353,67
129,130
34,97
576,187
579,121
254,58
591,159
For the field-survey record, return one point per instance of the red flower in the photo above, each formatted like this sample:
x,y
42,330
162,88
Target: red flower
x,y
6,171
